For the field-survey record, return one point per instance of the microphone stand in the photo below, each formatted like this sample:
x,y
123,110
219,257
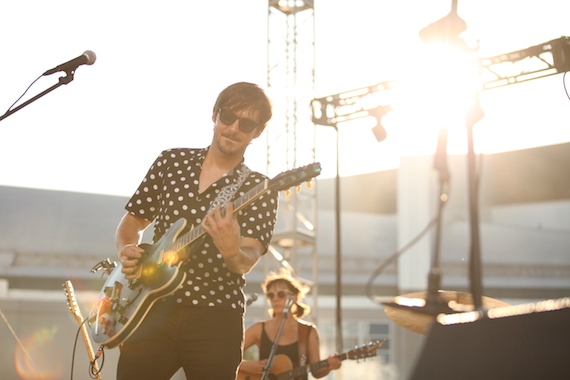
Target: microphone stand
x,y
271,358
474,114
434,302
62,80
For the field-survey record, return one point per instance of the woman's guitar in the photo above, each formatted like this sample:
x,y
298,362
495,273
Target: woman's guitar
x,y
123,303
283,368
72,303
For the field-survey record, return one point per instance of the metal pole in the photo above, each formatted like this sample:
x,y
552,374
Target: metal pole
x,y
339,346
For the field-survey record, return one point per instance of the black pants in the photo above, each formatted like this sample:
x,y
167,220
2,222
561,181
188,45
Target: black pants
x,y
207,342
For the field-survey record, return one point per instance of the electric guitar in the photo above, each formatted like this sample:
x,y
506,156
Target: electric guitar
x,y
282,368
123,304
72,303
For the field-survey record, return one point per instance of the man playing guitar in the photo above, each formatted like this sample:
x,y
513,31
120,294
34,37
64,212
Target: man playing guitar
x,y
200,326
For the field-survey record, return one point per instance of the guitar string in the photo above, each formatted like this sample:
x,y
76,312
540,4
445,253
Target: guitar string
x,y
196,232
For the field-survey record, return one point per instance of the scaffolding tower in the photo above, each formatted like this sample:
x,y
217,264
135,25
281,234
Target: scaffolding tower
x,y
291,138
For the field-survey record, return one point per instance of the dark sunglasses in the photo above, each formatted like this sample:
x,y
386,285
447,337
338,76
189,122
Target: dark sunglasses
x,y
280,294
245,125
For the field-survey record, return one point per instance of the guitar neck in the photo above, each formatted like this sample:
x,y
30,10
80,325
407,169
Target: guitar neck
x,y
296,372
197,232
281,182
90,351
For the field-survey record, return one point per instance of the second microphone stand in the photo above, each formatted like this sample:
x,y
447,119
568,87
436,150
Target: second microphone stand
x,y
271,358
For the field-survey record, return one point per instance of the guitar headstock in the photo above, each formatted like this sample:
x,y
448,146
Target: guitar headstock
x,y
365,351
285,180
72,302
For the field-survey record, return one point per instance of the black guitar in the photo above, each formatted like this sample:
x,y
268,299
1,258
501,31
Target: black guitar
x,y
123,304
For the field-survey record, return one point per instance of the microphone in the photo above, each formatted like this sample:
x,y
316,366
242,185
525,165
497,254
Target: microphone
x,y
288,305
251,299
87,58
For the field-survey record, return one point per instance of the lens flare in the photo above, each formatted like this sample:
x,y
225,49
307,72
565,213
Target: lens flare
x,y
39,361
171,258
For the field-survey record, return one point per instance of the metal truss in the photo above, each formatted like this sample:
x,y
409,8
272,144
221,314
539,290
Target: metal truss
x,y
351,105
291,136
539,61
535,62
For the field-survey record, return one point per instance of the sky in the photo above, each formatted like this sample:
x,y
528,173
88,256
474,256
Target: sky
x,y
160,67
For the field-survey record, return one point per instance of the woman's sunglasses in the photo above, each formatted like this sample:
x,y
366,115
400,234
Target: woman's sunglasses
x,y
281,294
245,125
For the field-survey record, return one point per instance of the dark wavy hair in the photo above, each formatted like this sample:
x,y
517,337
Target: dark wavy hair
x,y
245,96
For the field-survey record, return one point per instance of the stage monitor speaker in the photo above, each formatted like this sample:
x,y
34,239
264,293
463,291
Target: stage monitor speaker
x,y
521,342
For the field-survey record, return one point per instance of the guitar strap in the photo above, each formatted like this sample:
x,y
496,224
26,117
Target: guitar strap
x,y
227,193
303,339
224,196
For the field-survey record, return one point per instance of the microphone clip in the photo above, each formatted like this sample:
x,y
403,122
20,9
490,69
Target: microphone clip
x,y
288,304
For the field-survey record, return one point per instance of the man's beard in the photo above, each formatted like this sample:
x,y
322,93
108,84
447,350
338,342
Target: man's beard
x,y
235,148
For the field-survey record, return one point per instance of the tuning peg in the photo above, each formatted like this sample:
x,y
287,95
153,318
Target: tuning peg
x,y
287,193
309,185
298,188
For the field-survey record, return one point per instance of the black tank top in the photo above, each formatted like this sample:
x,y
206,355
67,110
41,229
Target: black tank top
x,y
290,350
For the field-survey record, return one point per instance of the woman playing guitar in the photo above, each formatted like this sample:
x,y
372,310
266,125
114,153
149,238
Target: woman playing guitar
x,y
298,344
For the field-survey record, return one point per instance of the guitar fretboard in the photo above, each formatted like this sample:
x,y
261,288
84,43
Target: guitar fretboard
x,y
196,232
295,372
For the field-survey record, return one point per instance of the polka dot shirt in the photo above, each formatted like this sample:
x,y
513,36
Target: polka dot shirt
x,y
170,192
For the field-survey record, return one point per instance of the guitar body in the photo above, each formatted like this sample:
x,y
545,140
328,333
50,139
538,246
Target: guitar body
x,y
123,303
281,363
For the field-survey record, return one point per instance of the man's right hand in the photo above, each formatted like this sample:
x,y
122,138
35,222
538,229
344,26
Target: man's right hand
x,y
129,257
128,235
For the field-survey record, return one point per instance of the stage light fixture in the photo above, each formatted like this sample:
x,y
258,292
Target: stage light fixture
x,y
378,113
